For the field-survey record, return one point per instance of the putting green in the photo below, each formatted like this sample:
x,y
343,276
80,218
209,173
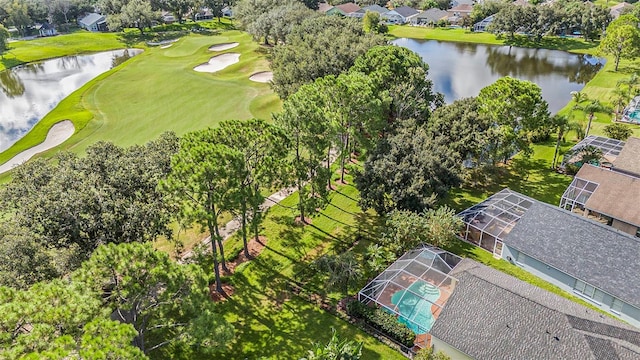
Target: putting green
x,y
158,91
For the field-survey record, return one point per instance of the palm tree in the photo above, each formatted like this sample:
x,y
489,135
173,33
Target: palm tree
x,y
591,109
632,82
620,99
578,97
562,125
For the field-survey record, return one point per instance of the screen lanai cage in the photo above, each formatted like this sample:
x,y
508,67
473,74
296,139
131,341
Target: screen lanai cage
x,y
577,194
414,288
610,148
487,224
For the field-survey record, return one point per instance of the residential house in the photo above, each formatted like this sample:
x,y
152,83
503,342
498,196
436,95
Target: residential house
x,y
620,9
168,17
346,9
93,22
455,3
578,254
373,8
457,13
609,194
323,7
492,315
204,14
227,11
430,17
471,311
400,15
461,10
46,29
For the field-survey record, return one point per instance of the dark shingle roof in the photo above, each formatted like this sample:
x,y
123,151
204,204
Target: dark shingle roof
x,y
406,11
492,315
597,254
432,15
375,8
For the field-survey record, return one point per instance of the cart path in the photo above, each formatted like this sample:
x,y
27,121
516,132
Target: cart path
x,y
235,224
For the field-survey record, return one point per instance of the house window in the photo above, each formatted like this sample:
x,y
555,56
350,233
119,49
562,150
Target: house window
x,y
616,306
588,291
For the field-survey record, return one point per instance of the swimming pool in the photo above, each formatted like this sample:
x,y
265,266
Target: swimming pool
x,y
414,306
632,116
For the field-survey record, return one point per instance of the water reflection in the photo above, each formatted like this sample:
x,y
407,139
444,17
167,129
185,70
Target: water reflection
x,y
461,69
29,92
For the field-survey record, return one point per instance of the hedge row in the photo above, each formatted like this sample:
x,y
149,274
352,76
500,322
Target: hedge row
x,y
383,321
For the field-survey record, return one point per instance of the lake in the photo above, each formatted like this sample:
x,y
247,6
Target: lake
x,y
30,91
460,70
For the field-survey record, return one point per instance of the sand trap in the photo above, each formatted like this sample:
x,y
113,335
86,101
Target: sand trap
x,y
218,63
262,77
58,134
223,47
165,46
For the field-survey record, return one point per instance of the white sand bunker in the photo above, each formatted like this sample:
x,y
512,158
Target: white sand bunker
x,y
262,77
223,47
165,46
58,134
218,63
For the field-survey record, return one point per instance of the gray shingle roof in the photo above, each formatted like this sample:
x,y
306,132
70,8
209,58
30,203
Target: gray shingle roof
x,y
597,254
406,11
432,15
91,19
492,315
375,8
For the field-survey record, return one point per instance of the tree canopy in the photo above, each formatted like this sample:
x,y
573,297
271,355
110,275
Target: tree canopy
x,y
75,204
516,109
408,170
622,39
322,46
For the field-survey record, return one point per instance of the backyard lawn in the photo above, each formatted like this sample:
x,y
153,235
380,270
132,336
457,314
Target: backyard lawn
x,y
267,316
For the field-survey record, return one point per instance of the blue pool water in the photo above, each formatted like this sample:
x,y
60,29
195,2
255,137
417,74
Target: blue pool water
x,y
634,116
415,309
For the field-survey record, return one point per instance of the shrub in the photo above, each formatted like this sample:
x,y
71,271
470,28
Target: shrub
x,y
383,321
618,131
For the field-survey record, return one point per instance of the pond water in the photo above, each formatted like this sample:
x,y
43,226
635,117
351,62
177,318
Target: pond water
x,y
460,70
30,91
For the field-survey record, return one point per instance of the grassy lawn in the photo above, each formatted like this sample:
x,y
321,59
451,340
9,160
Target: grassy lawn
x,y
270,320
465,35
532,177
158,91
80,42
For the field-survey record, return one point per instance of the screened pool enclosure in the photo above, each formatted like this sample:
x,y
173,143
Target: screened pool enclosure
x,y
610,148
414,288
487,224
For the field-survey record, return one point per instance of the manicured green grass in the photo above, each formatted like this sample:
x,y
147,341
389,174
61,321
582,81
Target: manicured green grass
x,y
158,91
269,319
443,34
533,177
465,35
80,42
